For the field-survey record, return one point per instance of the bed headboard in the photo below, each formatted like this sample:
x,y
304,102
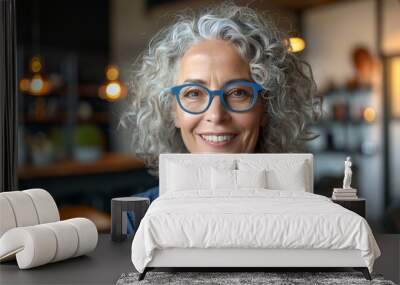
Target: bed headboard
x,y
272,159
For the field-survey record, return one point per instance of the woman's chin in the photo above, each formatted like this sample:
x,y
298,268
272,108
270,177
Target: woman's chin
x,y
216,151
212,149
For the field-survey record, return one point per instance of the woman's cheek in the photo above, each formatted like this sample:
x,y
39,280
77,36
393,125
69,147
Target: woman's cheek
x,y
250,130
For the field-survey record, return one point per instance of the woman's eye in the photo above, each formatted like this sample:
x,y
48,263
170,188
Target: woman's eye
x,y
239,93
192,94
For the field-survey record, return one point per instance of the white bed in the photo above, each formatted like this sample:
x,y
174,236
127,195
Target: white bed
x,y
268,218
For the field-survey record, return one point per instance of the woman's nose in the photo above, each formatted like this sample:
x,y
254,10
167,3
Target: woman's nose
x,y
216,113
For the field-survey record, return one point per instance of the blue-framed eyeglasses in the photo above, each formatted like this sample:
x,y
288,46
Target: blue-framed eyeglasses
x,y
237,96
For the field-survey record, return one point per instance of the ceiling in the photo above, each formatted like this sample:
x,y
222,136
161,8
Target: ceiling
x,y
296,5
301,4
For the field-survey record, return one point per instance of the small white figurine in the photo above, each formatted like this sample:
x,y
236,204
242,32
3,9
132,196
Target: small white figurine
x,y
347,174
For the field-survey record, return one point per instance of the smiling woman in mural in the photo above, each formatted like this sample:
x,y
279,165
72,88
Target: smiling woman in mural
x,y
223,81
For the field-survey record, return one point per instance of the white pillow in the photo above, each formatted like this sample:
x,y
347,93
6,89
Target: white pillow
x,y
222,179
187,175
294,180
281,174
251,178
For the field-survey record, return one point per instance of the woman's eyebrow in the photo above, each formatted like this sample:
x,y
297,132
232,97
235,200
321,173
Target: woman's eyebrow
x,y
238,79
200,81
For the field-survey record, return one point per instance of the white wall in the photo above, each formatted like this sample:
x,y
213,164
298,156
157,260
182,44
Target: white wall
x,y
332,32
391,29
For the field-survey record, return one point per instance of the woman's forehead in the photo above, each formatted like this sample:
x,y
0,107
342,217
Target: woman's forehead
x,y
212,60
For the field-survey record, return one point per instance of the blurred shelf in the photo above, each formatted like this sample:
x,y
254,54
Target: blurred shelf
x,y
329,123
110,162
97,118
58,91
58,119
100,219
89,91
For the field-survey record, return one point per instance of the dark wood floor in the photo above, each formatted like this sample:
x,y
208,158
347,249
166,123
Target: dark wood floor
x,y
389,262
110,260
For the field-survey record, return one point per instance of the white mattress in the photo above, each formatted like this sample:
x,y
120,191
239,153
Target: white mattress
x,y
256,218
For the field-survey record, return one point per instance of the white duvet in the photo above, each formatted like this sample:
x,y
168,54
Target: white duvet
x,y
253,218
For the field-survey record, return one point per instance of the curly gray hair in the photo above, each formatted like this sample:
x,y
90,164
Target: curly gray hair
x,y
287,79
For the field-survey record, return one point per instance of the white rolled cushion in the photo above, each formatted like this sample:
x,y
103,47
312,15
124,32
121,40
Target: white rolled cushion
x,y
87,235
23,208
7,218
40,244
251,178
223,179
67,240
184,175
45,205
33,245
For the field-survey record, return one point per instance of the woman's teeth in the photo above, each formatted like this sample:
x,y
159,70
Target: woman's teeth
x,y
213,138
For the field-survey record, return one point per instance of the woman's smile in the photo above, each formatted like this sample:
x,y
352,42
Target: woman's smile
x,y
217,139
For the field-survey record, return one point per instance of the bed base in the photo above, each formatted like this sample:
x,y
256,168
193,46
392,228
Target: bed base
x,y
250,259
363,270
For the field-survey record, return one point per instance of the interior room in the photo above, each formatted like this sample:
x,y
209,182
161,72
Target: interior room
x,y
73,124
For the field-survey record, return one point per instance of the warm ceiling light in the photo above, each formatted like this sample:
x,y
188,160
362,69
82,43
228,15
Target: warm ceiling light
x,y
36,64
296,44
112,73
112,89
369,114
36,84
24,84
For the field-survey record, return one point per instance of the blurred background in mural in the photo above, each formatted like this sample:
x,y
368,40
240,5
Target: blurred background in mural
x,y
73,67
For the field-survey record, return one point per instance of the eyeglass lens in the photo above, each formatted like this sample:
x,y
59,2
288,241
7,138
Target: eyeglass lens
x,y
196,98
